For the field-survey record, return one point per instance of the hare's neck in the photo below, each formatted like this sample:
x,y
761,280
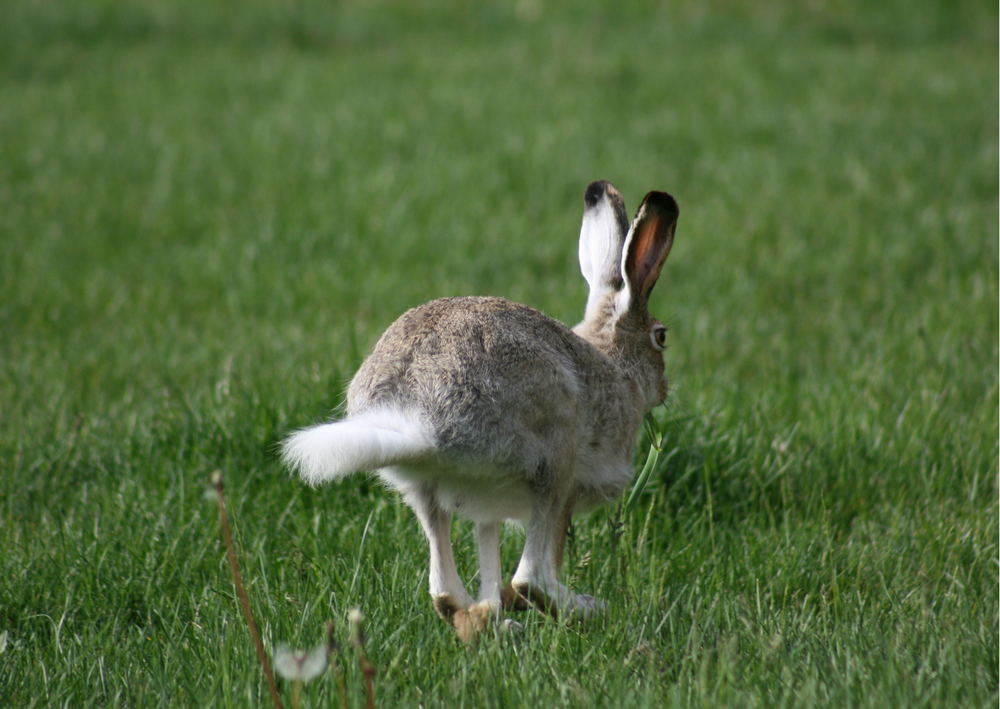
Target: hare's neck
x,y
598,326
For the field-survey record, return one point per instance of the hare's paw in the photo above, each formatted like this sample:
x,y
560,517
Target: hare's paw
x,y
512,600
588,606
448,604
456,614
558,601
479,618
484,614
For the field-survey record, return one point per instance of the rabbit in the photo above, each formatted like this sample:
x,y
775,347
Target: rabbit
x,y
489,410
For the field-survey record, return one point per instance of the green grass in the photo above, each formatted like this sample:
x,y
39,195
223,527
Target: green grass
x,y
209,212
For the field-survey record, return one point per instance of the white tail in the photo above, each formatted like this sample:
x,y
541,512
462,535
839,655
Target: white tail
x,y
368,442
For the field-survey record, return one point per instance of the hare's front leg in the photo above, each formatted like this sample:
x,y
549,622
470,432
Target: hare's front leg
x,y
536,576
490,579
447,591
488,609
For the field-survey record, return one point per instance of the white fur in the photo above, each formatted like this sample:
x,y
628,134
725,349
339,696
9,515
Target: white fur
x,y
600,252
492,496
367,442
490,576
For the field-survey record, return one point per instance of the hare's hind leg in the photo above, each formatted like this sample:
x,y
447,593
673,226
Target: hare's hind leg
x,y
561,532
536,576
447,591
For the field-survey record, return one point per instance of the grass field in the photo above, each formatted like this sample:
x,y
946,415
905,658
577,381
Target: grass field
x,y
210,211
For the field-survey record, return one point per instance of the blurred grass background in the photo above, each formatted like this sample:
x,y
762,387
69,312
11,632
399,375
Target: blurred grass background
x,y
210,211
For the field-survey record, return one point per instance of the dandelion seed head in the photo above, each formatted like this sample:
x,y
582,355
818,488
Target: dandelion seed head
x,y
300,664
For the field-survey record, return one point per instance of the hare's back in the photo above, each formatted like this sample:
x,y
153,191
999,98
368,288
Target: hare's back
x,y
492,378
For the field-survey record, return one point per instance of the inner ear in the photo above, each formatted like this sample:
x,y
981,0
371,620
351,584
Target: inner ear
x,y
648,243
644,260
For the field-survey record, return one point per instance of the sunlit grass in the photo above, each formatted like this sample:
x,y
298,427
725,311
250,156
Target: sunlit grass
x,y
208,214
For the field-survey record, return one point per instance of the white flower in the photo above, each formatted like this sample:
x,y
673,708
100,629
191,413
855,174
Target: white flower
x,y
300,664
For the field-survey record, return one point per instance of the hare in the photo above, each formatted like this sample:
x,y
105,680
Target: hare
x,y
490,410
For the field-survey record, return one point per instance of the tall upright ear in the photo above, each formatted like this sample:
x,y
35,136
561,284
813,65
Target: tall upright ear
x,y
602,236
647,245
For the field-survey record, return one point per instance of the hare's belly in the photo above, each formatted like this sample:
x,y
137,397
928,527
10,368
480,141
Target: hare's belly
x,y
476,499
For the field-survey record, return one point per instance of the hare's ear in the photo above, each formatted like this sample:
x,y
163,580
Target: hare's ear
x,y
647,245
602,236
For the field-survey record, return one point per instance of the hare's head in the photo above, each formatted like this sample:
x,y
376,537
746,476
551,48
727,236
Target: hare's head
x,y
621,265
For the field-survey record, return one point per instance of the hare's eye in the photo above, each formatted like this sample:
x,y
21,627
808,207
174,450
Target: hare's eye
x,y
659,337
